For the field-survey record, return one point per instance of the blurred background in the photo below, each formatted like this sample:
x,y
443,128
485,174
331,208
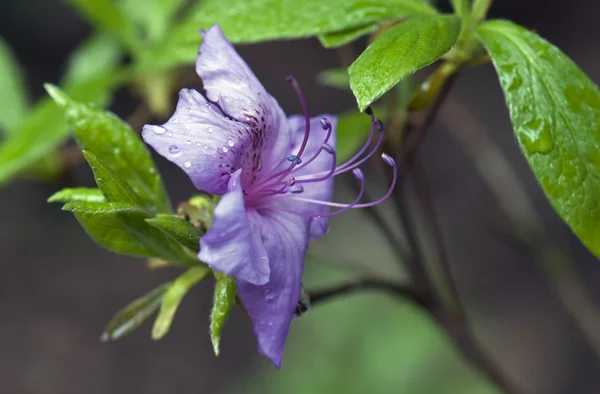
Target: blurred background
x,y
58,289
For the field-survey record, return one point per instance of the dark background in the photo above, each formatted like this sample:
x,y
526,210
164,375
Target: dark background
x,y
58,289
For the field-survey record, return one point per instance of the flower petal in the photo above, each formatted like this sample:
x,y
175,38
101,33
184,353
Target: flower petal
x,y
229,82
322,190
271,306
233,244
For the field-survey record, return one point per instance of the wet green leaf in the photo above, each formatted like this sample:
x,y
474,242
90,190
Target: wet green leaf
x,y
180,230
173,297
122,228
555,111
343,37
113,187
118,147
399,52
13,91
223,302
78,194
263,20
134,314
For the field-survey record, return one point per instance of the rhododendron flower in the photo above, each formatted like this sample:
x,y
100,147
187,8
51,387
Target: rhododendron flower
x,y
274,175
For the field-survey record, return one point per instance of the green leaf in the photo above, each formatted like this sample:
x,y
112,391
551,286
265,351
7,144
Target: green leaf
x,y
122,228
13,91
134,314
45,128
264,20
555,111
122,150
78,194
352,131
223,302
180,230
343,37
335,78
113,187
173,297
399,52
104,208
108,17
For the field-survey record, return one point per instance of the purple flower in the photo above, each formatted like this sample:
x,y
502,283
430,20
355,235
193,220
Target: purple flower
x,y
275,176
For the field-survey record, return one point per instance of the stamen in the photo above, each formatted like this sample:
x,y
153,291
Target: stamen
x,y
326,125
358,174
387,160
296,87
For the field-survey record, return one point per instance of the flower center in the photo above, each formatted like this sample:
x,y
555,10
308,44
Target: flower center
x,y
288,183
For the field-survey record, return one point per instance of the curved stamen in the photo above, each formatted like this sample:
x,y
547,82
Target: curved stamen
x,y
359,175
325,125
387,160
296,87
327,148
369,112
341,169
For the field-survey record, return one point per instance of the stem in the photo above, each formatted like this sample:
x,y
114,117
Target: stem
x,y
317,297
480,9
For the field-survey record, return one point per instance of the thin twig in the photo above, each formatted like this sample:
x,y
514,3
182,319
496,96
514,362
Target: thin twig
x,y
319,296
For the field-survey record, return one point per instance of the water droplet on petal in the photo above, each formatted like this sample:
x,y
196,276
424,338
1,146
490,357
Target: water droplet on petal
x,y
174,150
197,144
158,129
270,324
205,146
210,129
188,127
175,121
187,164
230,142
296,189
188,142
225,149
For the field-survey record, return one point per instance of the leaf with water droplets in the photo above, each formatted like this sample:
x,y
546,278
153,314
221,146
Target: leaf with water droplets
x,y
278,19
223,302
118,146
134,314
555,111
399,52
173,297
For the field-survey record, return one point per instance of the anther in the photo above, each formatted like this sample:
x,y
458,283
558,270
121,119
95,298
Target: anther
x,y
379,125
325,124
368,111
294,159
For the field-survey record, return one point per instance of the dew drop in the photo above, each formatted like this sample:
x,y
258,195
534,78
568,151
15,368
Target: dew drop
x,y
197,144
225,149
205,146
188,127
174,150
175,121
188,142
187,164
210,129
158,129
296,189
230,142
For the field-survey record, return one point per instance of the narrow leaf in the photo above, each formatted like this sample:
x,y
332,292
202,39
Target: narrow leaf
x,y
121,228
399,52
104,208
113,187
13,91
180,230
173,297
343,37
113,142
78,194
555,111
134,314
223,302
